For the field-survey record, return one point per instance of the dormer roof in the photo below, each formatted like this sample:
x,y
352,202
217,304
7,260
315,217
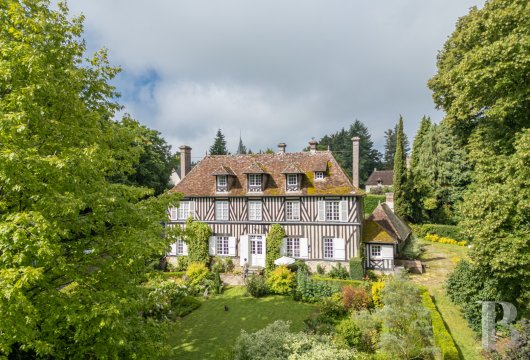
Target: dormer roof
x,y
223,170
292,169
254,168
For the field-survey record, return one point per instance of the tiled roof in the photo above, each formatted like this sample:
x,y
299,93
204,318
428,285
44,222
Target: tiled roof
x,y
385,176
223,170
292,169
396,228
200,182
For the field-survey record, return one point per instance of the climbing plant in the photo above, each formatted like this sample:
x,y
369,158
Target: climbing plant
x,y
196,235
274,242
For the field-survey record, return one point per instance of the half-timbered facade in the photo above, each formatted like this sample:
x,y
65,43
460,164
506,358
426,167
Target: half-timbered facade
x,y
241,196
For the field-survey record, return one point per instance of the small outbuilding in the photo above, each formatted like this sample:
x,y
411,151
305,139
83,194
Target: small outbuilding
x,y
379,180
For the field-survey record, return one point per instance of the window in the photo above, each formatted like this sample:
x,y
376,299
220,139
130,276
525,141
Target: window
x,y
221,245
221,180
254,180
292,211
173,213
180,247
292,179
319,175
332,211
375,250
221,210
184,210
254,210
293,247
328,248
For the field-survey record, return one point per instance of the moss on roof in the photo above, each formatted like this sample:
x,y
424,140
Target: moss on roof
x,y
374,233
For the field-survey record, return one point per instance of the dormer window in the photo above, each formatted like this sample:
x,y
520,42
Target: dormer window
x,y
254,182
292,182
319,175
222,183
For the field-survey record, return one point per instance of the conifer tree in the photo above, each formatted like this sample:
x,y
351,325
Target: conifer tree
x,y
219,144
399,182
390,147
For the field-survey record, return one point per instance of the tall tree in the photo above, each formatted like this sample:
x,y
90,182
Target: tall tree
x,y
482,85
241,148
400,175
390,147
340,144
75,248
219,144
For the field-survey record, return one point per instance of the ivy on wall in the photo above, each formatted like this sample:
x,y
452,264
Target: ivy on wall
x,y
274,242
196,234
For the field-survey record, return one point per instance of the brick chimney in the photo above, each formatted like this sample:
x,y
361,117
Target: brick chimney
x,y
281,148
355,160
185,161
390,200
312,146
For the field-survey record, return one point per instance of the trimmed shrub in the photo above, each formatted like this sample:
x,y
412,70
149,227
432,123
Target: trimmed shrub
x,y
338,283
186,305
338,272
332,306
377,287
356,268
281,280
355,298
196,273
442,337
371,202
273,244
256,285
449,231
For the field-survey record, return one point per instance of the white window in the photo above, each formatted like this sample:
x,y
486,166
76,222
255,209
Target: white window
x,y
254,210
332,211
292,211
319,175
328,248
221,245
254,180
221,180
221,210
173,213
292,179
180,247
184,211
293,247
375,250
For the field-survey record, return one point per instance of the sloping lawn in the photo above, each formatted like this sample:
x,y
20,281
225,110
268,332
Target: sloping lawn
x,y
441,260
209,332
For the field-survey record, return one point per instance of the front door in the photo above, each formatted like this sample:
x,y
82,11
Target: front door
x,y
257,250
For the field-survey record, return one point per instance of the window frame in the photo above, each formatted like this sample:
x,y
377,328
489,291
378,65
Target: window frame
x,y
292,247
319,175
332,209
224,178
222,211
255,180
290,203
180,247
253,210
374,247
290,177
222,245
184,210
328,248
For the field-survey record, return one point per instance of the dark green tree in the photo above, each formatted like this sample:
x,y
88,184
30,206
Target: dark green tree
x,y
390,147
400,173
219,144
340,144
241,148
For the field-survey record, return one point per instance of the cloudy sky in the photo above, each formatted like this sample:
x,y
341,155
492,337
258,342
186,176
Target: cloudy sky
x,y
276,71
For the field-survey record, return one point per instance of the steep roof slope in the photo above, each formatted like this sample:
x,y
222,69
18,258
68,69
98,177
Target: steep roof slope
x,y
385,176
384,220
200,181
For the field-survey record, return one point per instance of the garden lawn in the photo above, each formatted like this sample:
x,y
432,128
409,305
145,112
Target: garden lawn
x,y
441,260
210,332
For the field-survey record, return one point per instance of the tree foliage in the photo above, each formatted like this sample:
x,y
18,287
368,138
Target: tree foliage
x,y
400,173
274,243
340,144
390,147
75,248
219,144
197,235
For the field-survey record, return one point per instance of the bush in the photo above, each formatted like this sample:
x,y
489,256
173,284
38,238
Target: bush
x,y
449,231
217,283
186,305
356,268
197,235
355,298
256,285
182,263
299,265
338,272
413,249
310,291
519,347
217,264
377,287
332,306
281,280
321,270
444,240
229,265
371,202
442,337
164,298
196,273
273,244
349,334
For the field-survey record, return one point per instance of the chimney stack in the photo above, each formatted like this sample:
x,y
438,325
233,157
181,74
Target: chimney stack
x,y
281,148
313,146
355,160
185,161
390,200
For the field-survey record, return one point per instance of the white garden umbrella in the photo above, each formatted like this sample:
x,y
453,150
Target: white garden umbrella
x,y
284,260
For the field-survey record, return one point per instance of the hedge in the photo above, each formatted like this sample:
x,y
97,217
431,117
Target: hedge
x,y
173,274
371,202
442,337
356,268
448,231
337,283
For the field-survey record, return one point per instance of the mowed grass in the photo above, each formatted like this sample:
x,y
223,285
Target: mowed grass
x,y
441,260
210,332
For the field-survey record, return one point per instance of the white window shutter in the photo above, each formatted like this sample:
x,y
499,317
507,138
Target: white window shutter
x,y
173,250
243,249
211,245
232,246
304,248
321,211
192,210
184,248
283,247
339,249
344,211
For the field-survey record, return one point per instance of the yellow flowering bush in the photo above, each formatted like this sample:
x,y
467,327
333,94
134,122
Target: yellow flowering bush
x,y
376,293
444,240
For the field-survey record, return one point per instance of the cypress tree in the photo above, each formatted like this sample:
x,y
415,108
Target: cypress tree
x,y
400,203
219,144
